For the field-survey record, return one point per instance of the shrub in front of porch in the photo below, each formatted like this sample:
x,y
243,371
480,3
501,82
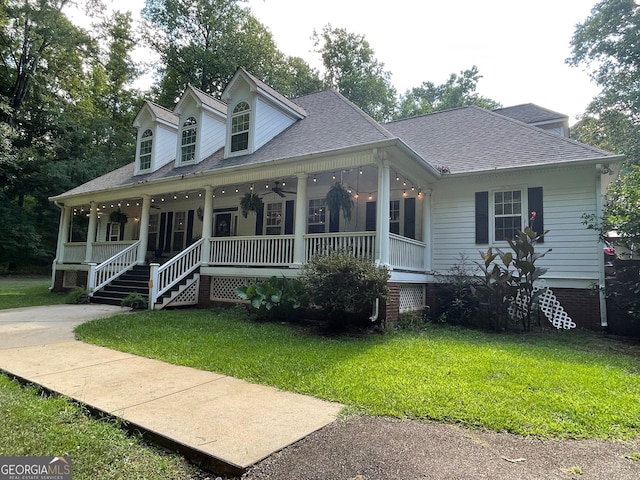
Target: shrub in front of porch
x,y
345,287
276,298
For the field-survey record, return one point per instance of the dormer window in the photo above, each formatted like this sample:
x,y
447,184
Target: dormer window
x,y
146,144
188,143
240,127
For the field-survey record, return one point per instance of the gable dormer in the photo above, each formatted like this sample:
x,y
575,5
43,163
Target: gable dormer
x,y
202,126
256,113
157,133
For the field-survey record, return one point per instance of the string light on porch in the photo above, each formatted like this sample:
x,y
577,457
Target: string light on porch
x,y
360,170
370,196
333,176
314,179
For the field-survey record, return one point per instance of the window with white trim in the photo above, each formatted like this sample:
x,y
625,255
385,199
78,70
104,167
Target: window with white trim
x,y
240,127
394,216
507,214
146,143
188,141
273,218
316,216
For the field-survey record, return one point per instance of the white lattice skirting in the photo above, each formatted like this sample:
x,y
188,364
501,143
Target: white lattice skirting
x,y
411,297
223,288
549,305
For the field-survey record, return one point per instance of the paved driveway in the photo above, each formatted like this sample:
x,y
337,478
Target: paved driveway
x,y
22,327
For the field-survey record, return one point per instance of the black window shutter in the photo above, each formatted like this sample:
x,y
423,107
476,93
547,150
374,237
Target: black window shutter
x,y
334,222
370,218
536,205
259,219
121,231
163,229
190,226
288,217
108,231
482,217
167,240
410,218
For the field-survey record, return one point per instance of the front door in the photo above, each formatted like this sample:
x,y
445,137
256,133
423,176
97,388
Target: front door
x,y
223,225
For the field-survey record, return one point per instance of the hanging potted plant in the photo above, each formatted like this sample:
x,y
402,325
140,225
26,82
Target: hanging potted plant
x,y
117,216
250,203
338,198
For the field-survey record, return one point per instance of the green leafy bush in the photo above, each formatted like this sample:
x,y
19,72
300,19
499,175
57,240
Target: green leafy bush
x,y
274,298
135,301
344,286
77,296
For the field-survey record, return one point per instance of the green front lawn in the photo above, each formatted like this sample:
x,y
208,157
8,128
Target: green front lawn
x,y
37,425
19,291
565,384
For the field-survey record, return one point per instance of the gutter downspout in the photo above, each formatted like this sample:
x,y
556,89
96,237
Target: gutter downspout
x,y
601,277
376,311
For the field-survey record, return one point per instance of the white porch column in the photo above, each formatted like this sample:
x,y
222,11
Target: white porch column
x,y
207,224
300,220
63,232
144,228
426,228
382,214
91,231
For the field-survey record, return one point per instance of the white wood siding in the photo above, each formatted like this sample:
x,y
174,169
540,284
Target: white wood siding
x,y
211,136
567,195
164,146
269,123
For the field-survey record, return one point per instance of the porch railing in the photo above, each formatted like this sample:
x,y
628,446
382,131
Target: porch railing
x,y
259,250
165,276
101,275
359,244
406,253
75,252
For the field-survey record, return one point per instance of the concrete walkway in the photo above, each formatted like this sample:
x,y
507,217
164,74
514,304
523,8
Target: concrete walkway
x,y
224,423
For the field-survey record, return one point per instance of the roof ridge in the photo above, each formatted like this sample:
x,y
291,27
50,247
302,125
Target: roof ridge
x,y
543,131
379,126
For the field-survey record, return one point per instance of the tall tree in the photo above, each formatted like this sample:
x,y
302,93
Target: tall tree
x,y
607,43
203,42
457,91
353,70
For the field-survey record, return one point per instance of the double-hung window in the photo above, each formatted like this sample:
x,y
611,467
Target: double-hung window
x,y
146,143
273,218
188,143
240,127
316,216
507,214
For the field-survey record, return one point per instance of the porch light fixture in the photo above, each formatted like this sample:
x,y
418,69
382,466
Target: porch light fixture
x,y
112,205
186,196
370,196
237,190
404,193
104,206
199,194
222,190
404,183
153,200
356,195
333,176
137,204
175,197
413,188
251,187
162,199
397,177
314,179
360,170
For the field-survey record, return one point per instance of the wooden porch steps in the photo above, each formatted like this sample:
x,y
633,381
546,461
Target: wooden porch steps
x,y
135,280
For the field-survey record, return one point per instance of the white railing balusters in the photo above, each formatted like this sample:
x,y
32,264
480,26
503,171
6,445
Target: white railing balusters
x,y
406,253
102,274
165,276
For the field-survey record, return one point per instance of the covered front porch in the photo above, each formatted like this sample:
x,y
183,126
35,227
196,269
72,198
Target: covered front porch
x,y
188,227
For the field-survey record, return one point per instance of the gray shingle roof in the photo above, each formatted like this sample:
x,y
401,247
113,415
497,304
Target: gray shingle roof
x,y
209,101
162,113
468,139
531,113
274,93
471,139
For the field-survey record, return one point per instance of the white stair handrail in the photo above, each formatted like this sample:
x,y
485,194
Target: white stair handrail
x,y
164,277
107,271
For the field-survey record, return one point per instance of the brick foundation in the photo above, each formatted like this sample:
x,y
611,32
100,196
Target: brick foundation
x,y
582,305
204,292
392,306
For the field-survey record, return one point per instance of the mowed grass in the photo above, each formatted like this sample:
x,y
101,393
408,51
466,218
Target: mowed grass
x,y
19,291
565,384
34,424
